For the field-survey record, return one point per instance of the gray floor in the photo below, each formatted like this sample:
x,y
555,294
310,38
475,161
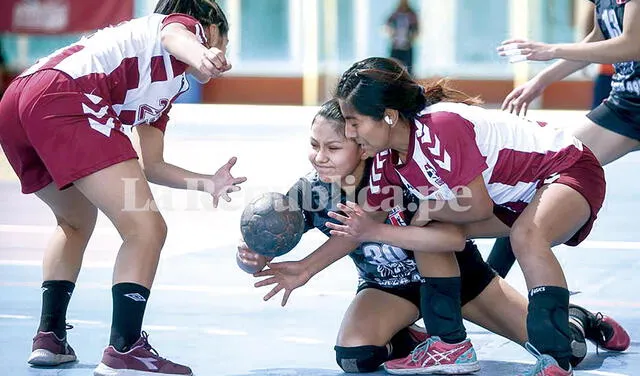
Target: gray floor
x,y
205,313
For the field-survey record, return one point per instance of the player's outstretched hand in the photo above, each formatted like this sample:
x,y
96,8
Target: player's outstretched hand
x,y
224,183
287,276
249,260
518,101
356,223
521,49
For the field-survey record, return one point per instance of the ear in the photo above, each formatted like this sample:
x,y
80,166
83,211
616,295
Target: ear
x,y
213,36
363,154
390,117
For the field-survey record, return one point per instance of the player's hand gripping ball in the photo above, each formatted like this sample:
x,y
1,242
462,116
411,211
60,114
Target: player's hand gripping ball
x,y
271,226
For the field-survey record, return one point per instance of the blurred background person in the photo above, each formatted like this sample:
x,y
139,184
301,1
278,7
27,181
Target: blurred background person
x,y
403,27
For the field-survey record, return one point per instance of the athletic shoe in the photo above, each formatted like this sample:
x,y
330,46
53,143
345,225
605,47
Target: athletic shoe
x,y
436,356
546,365
140,360
50,350
603,330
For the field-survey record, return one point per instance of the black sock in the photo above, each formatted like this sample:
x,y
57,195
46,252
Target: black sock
x,y
441,309
548,322
501,258
129,303
55,300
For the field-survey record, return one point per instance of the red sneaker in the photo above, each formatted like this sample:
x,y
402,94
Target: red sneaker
x,y
140,360
49,350
436,356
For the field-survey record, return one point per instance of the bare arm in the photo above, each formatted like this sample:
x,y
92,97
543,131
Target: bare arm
x,y
151,151
563,68
434,237
625,47
472,204
419,236
205,63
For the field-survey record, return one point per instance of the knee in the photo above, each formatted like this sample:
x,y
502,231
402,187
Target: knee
x,y
151,227
81,221
525,237
361,358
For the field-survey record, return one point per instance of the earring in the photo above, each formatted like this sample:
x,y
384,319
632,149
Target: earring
x,y
388,120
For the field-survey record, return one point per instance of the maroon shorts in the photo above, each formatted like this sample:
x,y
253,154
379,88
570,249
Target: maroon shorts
x,y
586,176
51,131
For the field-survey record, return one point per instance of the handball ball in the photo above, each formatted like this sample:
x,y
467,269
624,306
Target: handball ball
x,y
270,225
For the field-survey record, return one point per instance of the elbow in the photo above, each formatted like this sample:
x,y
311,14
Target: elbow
x,y
150,171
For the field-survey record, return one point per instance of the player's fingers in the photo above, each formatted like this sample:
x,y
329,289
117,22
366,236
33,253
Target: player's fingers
x,y
285,297
509,99
225,196
265,273
265,282
232,161
239,180
339,233
272,293
337,227
523,109
233,188
512,41
337,216
215,201
346,209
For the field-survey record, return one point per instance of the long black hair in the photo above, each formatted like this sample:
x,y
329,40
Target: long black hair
x,y
207,12
375,84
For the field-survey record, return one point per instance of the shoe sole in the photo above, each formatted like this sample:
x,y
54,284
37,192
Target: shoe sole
x,y
104,370
448,369
46,358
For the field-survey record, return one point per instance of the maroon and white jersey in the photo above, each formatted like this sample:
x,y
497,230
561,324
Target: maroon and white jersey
x,y
453,143
125,67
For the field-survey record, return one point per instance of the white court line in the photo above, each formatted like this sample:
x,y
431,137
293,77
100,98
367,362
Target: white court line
x,y
225,332
16,317
603,373
46,229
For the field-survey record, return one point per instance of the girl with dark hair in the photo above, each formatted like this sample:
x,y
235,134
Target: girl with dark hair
x,y
378,325
64,132
493,173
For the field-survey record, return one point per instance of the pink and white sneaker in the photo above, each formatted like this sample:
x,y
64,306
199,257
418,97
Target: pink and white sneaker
x,y
140,360
418,333
436,357
546,364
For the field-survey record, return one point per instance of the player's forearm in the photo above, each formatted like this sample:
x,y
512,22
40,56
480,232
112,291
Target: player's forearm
x,y
331,251
434,237
609,51
563,68
172,176
183,44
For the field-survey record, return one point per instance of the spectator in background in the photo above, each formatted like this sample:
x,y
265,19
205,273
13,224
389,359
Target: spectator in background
x,y
402,26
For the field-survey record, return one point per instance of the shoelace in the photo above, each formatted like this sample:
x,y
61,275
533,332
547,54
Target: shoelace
x,y
147,345
596,325
540,365
421,348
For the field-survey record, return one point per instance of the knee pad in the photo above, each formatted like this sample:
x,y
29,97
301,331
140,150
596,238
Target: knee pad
x,y
361,358
548,321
